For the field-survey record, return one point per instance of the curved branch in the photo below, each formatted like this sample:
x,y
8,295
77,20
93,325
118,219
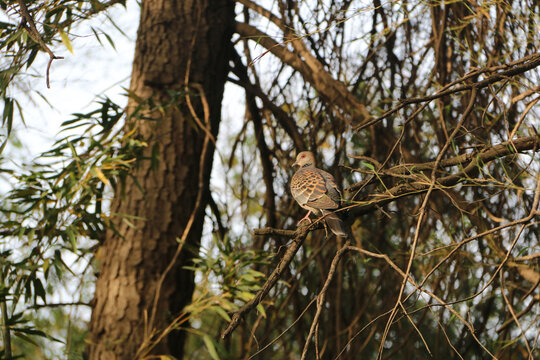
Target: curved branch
x,y
34,34
311,69
264,12
281,116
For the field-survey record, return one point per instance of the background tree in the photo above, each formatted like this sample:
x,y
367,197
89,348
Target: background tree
x,y
179,72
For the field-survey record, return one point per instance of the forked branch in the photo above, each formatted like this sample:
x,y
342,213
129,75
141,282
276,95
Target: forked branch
x,y
30,26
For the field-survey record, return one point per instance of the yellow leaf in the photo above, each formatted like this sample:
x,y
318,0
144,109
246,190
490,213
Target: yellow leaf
x,y
260,307
66,41
210,347
246,296
101,176
128,135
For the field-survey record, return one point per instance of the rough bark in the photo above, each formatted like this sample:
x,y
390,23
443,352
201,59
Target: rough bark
x,y
175,37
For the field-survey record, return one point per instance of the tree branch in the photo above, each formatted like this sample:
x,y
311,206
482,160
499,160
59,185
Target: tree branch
x,y
514,68
299,237
322,296
474,160
281,116
312,70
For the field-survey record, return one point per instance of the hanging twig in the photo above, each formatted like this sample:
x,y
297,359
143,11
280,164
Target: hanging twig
x,y
322,295
34,34
420,220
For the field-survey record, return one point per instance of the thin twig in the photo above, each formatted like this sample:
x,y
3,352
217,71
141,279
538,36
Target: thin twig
x,y
284,331
272,231
62,304
34,34
514,317
426,291
322,295
422,213
515,68
524,220
526,310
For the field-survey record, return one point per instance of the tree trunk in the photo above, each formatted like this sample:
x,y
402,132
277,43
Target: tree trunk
x,y
175,37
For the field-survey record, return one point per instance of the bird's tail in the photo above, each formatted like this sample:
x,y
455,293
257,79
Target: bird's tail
x,y
334,223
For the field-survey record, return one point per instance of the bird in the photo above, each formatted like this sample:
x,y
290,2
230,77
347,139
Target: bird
x,y
316,191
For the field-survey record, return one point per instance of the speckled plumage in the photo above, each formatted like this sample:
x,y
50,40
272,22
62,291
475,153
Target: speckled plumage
x,y
316,191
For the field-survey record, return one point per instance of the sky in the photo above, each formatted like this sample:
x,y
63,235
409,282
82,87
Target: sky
x,y
76,81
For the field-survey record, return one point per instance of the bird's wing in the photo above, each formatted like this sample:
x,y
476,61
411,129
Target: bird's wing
x,y
331,186
309,187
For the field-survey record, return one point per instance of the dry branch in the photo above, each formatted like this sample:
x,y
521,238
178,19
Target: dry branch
x,y
422,213
311,69
411,281
469,162
500,72
281,116
299,237
322,296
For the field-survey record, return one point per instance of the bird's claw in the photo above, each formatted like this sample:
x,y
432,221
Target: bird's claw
x,y
302,220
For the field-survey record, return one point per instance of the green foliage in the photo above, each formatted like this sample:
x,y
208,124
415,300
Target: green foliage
x,y
55,21
228,279
22,37
55,211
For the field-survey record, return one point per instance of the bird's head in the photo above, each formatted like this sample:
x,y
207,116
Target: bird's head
x,y
305,158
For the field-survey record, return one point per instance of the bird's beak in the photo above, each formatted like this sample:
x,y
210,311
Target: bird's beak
x,y
295,164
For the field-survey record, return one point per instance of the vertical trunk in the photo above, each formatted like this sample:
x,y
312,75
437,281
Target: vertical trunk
x,y
174,37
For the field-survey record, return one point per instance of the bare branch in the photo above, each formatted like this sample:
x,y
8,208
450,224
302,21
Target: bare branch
x,y
514,316
281,116
474,159
322,294
514,68
311,69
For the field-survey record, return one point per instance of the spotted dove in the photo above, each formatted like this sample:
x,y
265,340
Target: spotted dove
x,y
316,191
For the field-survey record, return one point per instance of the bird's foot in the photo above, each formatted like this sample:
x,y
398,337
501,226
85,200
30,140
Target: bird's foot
x,y
304,218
